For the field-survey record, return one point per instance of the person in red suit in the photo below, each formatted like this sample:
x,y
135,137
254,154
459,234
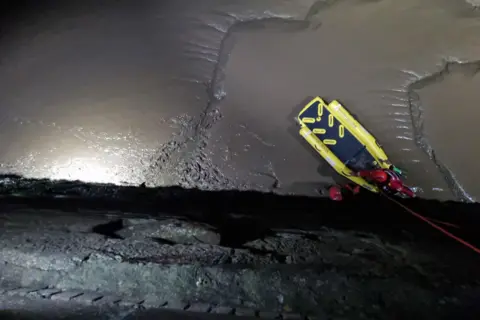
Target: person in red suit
x,y
338,193
386,179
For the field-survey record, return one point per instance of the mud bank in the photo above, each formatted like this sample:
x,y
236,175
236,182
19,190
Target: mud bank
x,y
169,262
227,209
445,109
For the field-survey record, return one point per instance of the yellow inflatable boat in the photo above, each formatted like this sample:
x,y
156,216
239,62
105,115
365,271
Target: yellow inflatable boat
x,y
341,140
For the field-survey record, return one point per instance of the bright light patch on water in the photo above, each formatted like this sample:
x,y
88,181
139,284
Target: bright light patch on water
x,y
84,169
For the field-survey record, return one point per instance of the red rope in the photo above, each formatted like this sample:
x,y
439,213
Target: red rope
x,y
448,224
434,225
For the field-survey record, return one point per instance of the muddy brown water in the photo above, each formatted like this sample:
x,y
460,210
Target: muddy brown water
x,y
203,94
369,55
451,122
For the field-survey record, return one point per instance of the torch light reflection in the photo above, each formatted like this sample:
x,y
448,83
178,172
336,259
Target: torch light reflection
x,y
86,170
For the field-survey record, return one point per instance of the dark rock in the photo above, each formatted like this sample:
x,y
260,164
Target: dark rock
x,y
291,316
268,315
47,293
244,312
222,310
130,302
107,300
177,305
67,295
199,307
23,291
88,297
173,231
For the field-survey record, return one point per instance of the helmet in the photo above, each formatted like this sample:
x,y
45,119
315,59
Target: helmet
x,y
335,193
379,176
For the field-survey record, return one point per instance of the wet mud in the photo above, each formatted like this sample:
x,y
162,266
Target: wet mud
x,y
444,107
118,93
370,55
203,94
